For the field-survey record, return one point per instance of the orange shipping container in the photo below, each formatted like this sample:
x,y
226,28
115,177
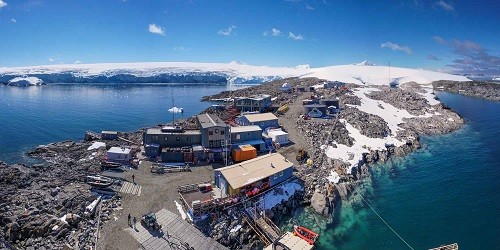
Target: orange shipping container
x,y
244,152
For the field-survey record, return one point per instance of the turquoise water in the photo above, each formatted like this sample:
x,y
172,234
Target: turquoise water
x,y
36,115
447,192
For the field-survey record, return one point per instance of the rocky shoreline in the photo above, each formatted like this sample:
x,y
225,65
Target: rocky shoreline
x,y
484,90
33,199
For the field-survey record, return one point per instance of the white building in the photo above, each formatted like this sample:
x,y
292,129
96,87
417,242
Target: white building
x,y
118,154
278,136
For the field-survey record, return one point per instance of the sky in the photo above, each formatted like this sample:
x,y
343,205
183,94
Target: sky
x,y
444,35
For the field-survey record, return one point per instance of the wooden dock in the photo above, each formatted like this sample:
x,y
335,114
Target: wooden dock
x,y
178,234
131,188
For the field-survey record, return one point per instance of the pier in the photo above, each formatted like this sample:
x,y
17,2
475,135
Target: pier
x,y
177,234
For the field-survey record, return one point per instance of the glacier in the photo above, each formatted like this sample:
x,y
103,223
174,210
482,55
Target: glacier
x,y
218,73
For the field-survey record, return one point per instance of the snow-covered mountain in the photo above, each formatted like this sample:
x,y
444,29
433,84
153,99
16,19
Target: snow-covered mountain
x,y
233,73
364,63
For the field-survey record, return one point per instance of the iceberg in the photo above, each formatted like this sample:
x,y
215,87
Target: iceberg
x,y
25,81
176,110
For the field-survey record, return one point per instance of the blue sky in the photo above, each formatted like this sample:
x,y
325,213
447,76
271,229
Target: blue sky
x,y
450,35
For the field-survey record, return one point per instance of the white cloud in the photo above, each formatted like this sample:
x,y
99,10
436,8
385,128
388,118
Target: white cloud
x,y
446,6
396,47
78,62
227,32
179,48
2,4
13,20
309,7
439,40
155,29
295,37
52,59
275,32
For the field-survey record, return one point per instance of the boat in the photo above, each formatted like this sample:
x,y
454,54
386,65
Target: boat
x,y
104,191
99,181
305,234
110,164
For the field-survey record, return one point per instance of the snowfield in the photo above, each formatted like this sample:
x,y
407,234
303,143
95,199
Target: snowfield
x,y
234,73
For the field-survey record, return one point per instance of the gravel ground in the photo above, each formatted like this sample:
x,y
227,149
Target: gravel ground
x,y
158,191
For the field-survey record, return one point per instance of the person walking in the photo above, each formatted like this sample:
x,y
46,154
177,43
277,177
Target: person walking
x,y
133,178
129,217
135,221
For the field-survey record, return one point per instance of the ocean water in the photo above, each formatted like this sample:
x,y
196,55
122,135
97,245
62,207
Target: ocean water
x,y
446,192
31,116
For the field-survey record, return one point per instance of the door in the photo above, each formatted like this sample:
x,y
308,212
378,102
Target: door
x,y
222,185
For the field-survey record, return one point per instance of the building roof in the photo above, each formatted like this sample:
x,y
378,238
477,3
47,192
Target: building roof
x,y
277,132
254,97
250,128
210,120
248,172
157,131
109,132
260,117
119,150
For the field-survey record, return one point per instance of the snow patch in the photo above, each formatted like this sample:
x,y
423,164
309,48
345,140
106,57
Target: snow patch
x,y
273,198
96,145
181,210
235,229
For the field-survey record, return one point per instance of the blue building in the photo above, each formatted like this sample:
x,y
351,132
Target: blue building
x,y
263,120
251,135
253,176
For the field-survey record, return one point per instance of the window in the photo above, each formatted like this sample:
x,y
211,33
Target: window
x,y
177,138
155,138
166,138
210,132
275,176
188,138
222,132
216,131
211,144
238,136
281,173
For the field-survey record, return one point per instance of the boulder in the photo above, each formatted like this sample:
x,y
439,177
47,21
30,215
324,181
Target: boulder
x,y
319,203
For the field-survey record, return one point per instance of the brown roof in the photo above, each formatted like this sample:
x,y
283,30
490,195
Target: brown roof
x,y
247,172
261,117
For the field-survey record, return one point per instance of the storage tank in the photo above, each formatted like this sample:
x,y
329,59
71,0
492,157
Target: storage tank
x,y
244,152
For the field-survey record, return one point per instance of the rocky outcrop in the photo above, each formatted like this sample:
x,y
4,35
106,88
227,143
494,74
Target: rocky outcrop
x,y
319,202
484,90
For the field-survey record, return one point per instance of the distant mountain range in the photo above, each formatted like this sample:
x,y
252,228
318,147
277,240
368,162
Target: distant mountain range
x,y
232,73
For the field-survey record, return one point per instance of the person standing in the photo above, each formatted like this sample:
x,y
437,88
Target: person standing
x,y
129,217
133,178
135,221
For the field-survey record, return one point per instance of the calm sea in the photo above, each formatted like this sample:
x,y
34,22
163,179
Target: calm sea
x,y
31,116
447,192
